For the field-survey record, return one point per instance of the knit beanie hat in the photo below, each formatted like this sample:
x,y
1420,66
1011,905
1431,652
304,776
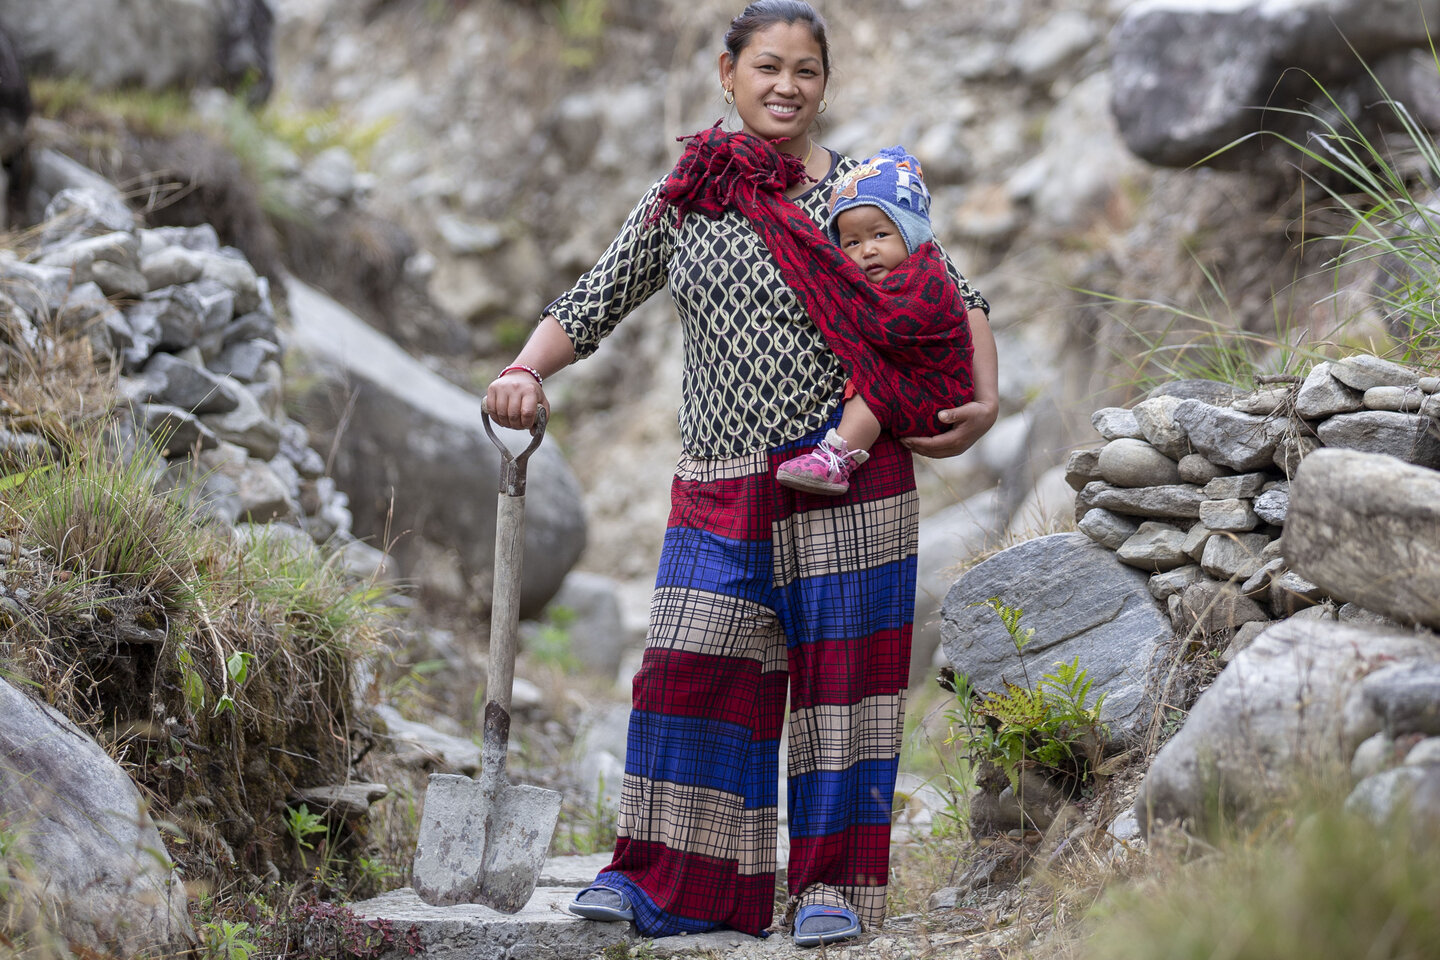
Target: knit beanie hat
x,y
891,180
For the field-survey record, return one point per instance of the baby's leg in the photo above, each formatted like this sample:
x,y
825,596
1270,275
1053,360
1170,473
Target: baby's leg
x,y
858,425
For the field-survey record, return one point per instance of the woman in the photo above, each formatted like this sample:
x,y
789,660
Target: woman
x,y
762,591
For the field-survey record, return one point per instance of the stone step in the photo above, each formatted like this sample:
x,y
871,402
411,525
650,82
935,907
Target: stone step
x,y
543,930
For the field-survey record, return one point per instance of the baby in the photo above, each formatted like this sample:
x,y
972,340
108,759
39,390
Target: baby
x,y
880,217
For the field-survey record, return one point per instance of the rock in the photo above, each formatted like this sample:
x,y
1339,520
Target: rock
x,y
1100,612
98,863
1291,593
1188,76
1156,417
182,384
1395,399
1165,585
1273,506
1262,403
1372,756
1242,486
1208,608
247,425
1211,391
1044,51
1239,441
1135,463
1115,423
1406,698
176,430
1362,372
1272,714
1196,469
1154,547
1291,450
1234,516
343,800
1082,467
1233,556
171,266
597,634
420,745
415,442
1411,792
1195,539
1108,529
1321,395
542,928
946,538
1364,527
1409,437
1173,501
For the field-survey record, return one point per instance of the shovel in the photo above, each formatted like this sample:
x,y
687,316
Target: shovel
x,y
485,842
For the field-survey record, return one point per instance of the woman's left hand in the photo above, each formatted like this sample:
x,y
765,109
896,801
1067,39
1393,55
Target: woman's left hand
x,y
969,424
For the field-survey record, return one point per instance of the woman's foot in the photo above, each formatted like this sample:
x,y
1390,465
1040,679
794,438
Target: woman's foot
x,y
817,924
602,903
826,469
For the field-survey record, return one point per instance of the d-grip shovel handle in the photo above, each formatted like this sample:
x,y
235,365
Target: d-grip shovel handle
x,y
512,467
505,602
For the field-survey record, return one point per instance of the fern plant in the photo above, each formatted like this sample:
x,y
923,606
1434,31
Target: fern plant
x,y
1051,725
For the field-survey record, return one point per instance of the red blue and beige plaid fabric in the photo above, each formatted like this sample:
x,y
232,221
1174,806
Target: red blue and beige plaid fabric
x,y
764,591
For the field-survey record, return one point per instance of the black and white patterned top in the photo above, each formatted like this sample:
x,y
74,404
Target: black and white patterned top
x,y
757,371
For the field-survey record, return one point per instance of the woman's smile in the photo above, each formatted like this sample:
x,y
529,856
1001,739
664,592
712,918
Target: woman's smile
x,y
778,82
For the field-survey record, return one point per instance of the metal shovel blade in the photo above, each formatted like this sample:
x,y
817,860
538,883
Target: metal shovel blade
x,y
479,848
484,841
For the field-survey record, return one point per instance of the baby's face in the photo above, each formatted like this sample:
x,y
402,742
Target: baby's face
x,y
871,240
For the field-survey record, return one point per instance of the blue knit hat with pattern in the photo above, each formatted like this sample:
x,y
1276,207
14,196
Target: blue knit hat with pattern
x,y
891,180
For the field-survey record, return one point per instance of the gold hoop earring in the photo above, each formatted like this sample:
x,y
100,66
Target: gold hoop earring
x,y
729,95
824,105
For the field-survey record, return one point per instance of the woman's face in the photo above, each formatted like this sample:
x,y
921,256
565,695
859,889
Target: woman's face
x,y
778,81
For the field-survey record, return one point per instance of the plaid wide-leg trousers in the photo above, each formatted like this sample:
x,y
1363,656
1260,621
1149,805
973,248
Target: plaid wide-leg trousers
x,y
763,591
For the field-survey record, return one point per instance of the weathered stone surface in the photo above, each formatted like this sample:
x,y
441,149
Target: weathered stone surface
x,y
1290,593
1194,388
1410,791
1154,547
1082,467
415,442
1363,372
421,745
1172,501
1101,611
187,386
1156,417
1115,423
1195,540
342,799
1321,395
1241,486
1291,450
1230,556
1108,529
1430,384
597,631
1273,506
1232,516
946,538
248,425
1406,698
1263,402
1196,469
543,928
1208,607
1366,527
1273,712
1239,441
1395,399
176,429
1411,438
1165,585
79,821
1135,463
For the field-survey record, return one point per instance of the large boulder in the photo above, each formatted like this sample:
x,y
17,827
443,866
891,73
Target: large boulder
x,y
946,538
1366,527
1081,601
156,44
1277,712
93,866
411,452
1189,75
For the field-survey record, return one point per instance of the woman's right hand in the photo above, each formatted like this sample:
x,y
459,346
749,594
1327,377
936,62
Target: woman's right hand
x,y
512,399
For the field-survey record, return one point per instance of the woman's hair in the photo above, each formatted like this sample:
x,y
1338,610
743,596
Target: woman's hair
x,y
764,13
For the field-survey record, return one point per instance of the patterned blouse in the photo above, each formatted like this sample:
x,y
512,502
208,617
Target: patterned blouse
x,y
756,371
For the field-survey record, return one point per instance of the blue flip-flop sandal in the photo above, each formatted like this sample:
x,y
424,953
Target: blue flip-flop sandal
x,y
613,908
824,932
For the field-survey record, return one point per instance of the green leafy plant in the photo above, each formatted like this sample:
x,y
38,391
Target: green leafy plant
x,y
301,824
226,940
1051,725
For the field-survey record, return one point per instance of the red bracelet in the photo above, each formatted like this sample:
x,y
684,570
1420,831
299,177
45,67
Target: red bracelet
x,y
520,366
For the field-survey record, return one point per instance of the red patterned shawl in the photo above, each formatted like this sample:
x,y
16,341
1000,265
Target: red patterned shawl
x,y
905,342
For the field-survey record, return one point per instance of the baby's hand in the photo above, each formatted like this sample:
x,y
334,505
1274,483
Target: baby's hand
x,y
968,424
